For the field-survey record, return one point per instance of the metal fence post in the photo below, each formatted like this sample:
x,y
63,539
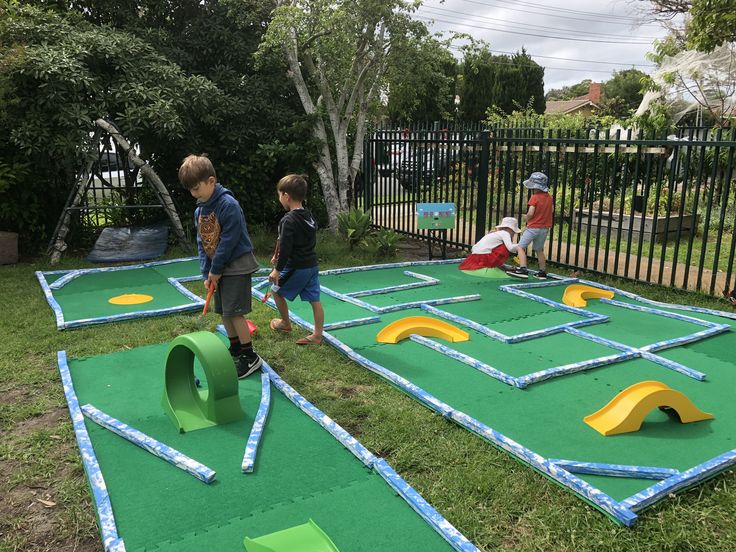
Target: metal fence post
x,y
481,207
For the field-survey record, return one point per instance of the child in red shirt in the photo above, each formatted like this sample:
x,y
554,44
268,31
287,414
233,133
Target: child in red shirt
x,y
538,223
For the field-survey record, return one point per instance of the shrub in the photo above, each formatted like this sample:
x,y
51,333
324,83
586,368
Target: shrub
x,y
382,244
354,225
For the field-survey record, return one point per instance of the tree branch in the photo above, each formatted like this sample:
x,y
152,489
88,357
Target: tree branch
x,y
314,37
359,55
668,9
359,83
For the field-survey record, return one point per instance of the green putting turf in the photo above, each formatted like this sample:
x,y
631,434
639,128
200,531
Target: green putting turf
x,y
301,471
547,417
87,296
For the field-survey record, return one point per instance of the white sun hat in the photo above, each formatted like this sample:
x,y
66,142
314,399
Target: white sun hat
x,y
510,223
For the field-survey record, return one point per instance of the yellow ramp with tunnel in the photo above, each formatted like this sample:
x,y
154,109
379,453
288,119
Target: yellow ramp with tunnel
x,y
576,294
420,325
626,412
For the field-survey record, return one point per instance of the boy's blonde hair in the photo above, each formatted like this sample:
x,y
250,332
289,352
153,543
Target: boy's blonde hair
x,y
295,185
195,169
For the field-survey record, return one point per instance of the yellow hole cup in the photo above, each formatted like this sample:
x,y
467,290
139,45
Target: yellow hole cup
x,y
130,299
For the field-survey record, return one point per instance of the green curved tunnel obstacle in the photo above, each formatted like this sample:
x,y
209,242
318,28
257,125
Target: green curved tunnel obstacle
x,y
188,407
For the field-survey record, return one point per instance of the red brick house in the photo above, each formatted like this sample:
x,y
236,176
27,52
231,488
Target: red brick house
x,y
584,105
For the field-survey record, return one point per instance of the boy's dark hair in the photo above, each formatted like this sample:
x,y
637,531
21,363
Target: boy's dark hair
x,y
195,169
295,185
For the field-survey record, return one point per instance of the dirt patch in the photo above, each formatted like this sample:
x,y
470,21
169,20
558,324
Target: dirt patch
x,y
14,395
49,420
34,517
417,250
519,533
33,512
348,391
25,520
355,426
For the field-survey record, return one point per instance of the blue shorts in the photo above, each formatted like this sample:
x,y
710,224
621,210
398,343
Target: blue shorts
x,y
303,282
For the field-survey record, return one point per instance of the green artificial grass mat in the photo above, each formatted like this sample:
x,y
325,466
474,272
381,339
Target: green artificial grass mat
x,y
338,311
332,508
301,471
496,308
344,283
636,328
720,347
547,417
87,296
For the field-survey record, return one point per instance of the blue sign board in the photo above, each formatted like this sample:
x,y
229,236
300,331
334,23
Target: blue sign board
x,y
435,216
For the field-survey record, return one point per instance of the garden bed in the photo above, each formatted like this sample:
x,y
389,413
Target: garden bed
x,y
662,229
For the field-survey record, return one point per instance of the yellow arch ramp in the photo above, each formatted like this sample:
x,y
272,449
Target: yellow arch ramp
x,y
421,325
626,412
576,294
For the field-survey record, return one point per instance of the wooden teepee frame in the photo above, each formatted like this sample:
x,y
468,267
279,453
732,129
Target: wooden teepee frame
x,y
105,129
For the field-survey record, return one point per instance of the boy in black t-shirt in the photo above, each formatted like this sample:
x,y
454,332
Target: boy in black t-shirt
x,y
295,260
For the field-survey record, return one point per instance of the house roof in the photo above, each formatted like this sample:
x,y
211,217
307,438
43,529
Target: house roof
x,y
568,106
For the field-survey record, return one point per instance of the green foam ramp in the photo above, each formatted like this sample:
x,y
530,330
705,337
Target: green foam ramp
x,y
493,273
307,537
188,407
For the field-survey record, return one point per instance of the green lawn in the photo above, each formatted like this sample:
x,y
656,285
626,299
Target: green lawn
x,y
495,501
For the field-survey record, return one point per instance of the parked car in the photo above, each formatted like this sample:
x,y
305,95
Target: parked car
x,y
422,168
388,157
110,172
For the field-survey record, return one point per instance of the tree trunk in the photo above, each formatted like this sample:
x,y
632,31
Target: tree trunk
x,y
337,174
323,165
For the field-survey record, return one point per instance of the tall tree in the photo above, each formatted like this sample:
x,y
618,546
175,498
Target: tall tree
x,y
707,23
530,81
713,23
569,92
421,81
666,10
59,73
256,133
623,92
337,53
477,83
503,82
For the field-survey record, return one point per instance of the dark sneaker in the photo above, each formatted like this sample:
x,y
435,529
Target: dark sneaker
x,y
247,365
541,275
519,272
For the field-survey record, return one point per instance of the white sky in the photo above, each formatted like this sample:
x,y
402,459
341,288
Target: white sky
x,y
607,35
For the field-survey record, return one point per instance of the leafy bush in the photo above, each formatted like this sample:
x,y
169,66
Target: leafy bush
x,y
59,71
525,117
354,225
382,244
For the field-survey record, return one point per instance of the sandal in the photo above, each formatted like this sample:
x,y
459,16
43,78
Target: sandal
x,y
309,340
277,325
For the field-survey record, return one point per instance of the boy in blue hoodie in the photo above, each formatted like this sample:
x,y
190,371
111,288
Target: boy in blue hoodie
x,y
226,257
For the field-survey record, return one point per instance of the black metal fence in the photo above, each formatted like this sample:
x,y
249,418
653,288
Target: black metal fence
x,y
115,194
655,209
